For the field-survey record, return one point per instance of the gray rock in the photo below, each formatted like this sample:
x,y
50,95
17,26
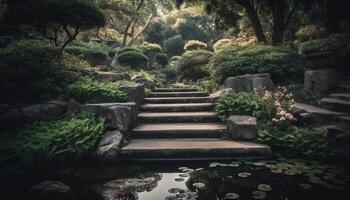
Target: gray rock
x,y
126,188
121,116
318,82
136,93
140,80
241,127
50,190
31,113
52,110
10,115
108,149
220,94
247,83
73,106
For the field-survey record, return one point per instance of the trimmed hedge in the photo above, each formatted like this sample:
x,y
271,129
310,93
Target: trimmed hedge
x,y
134,59
162,59
194,64
284,64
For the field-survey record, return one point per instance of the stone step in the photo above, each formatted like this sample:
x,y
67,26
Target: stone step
x,y
178,117
175,90
191,149
178,107
344,96
318,114
345,119
177,100
179,130
336,104
179,94
344,85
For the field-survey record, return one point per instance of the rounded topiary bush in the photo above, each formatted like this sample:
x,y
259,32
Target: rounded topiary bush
x,y
162,59
194,64
134,59
284,64
195,45
126,49
221,44
150,50
174,45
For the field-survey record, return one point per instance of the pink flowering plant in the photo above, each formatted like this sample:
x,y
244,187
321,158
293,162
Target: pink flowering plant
x,y
278,105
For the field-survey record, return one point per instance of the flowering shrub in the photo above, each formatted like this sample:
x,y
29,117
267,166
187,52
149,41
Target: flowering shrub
x,y
278,104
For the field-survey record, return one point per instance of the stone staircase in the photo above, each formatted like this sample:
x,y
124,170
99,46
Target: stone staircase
x,y
179,124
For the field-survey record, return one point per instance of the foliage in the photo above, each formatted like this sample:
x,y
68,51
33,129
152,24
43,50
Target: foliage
x,y
162,59
221,44
73,63
207,85
171,74
143,74
49,143
126,49
27,71
55,19
94,91
95,54
310,32
319,45
194,64
148,48
282,63
174,45
189,30
297,141
133,59
195,45
241,103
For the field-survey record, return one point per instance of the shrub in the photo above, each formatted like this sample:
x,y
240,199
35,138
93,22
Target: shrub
x,y
221,44
282,63
48,143
94,55
319,45
134,59
27,72
73,63
94,91
148,48
127,49
175,58
194,64
170,74
174,45
162,59
195,45
207,85
240,103
310,32
144,74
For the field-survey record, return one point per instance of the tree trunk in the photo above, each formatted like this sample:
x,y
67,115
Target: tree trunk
x,y
138,34
277,8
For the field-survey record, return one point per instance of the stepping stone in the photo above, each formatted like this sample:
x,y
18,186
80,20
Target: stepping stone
x,y
177,100
178,107
174,90
318,114
194,148
178,117
344,96
179,130
336,104
179,94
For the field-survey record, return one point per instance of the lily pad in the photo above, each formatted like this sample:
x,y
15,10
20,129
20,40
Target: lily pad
x,y
271,166
244,174
259,194
188,170
264,187
305,186
184,175
176,190
198,185
233,165
259,163
276,171
290,172
182,168
231,196
199,169
179,179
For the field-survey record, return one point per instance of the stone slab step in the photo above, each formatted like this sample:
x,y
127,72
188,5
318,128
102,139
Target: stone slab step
x,y
344,96
178,117
174,90
345,119
336,104
177,100
192,149
179,130
318,114
179,94
178,107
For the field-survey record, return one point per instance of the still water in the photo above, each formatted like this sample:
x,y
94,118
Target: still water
x,y
238,179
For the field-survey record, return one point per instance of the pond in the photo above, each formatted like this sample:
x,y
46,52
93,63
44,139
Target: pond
x,y
234,179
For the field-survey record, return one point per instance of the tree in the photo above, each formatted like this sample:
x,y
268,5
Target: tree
x,y
227,13
59,21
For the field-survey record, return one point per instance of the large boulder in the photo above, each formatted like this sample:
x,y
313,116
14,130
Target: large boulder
x,y
73,106
136,93
247,83
47,111
50,190
10,116
108,148
120,116
318,83
140,80
220,94
241,127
